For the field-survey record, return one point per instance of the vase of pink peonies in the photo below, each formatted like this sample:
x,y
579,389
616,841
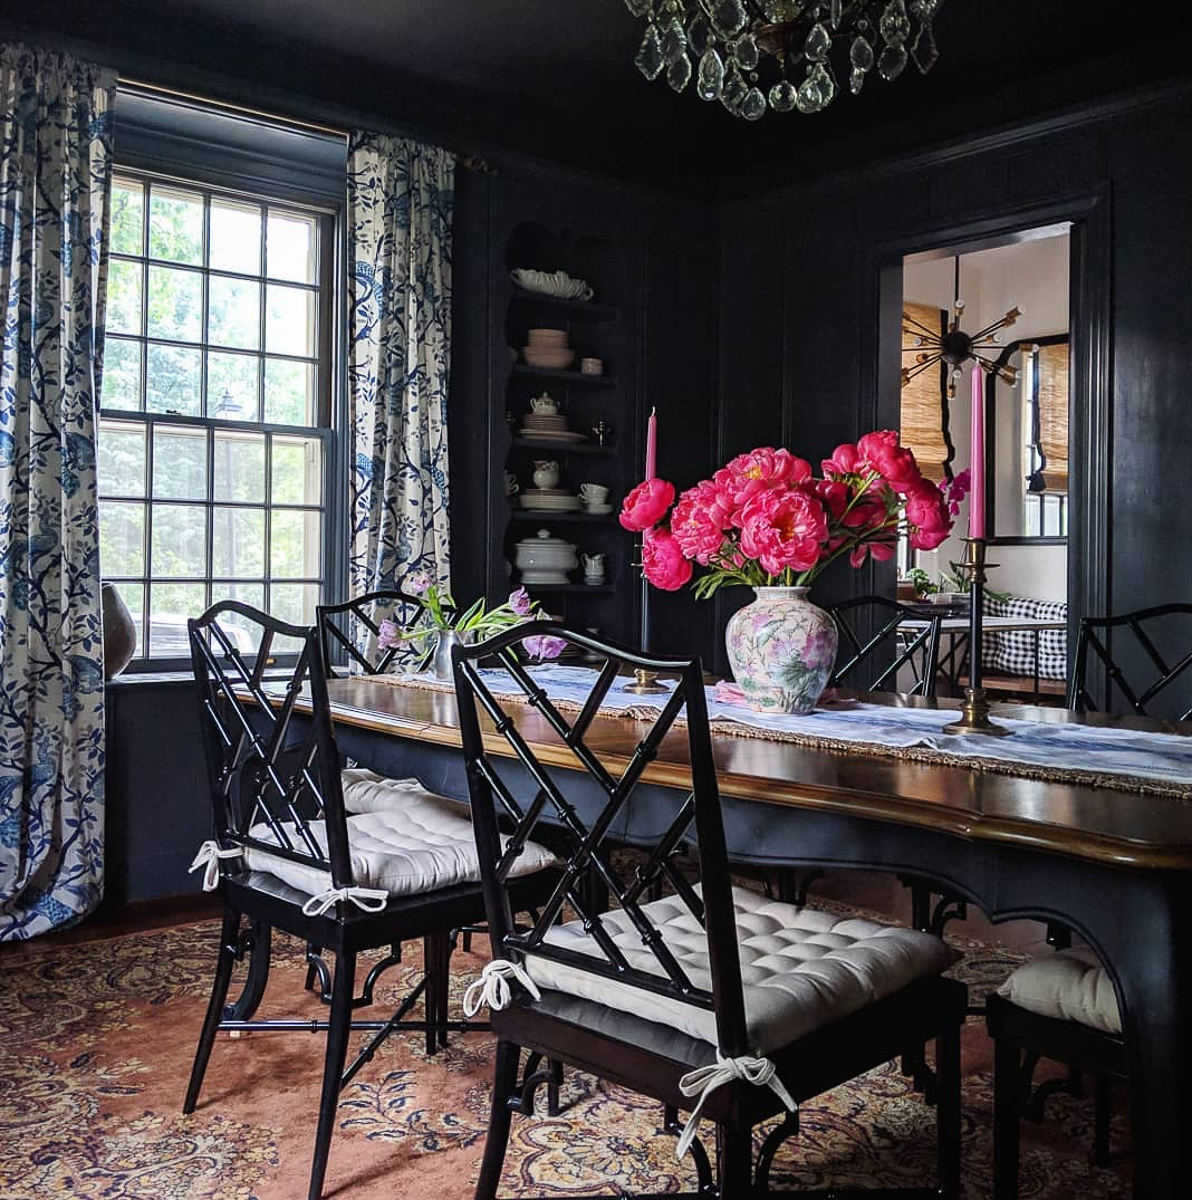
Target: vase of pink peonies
x,y
766,521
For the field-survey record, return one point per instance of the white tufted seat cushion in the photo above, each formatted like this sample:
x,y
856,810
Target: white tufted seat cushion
x,y
404,840
1070,985
800,967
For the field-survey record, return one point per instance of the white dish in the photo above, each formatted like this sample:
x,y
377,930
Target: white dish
x,y
552,435
551,283
551,503
546,337
599,510
548,359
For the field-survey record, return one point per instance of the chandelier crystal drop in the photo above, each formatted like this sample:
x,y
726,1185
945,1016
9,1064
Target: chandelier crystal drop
x,y
756,56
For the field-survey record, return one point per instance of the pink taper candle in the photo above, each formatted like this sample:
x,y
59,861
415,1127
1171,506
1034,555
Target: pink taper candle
x,y
651,445
977,458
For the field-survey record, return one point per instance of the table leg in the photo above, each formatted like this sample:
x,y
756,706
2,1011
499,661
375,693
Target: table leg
x,y
1154,974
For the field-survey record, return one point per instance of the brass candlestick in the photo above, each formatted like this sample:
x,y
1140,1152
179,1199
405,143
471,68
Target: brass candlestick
x,y
975,710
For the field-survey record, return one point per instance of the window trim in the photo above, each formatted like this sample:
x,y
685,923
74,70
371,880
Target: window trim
x,y
330,370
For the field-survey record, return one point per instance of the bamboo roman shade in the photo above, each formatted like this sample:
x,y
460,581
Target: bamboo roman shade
x,y
922,425
1052,365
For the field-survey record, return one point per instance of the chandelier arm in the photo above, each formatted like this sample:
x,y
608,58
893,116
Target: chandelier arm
x,y
911,372
925,328
1002,324
936,350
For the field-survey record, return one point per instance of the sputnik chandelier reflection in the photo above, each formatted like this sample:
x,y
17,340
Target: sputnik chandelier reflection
x,y
955,347
736,48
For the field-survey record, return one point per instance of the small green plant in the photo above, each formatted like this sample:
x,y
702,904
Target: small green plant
x,y
922,582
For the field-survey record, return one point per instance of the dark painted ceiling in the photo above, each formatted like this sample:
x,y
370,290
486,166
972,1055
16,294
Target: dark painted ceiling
x,y
555,78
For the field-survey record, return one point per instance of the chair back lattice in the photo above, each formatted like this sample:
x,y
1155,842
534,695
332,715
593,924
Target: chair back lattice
x,y
275,782
353,626
1142,655
877,646
514,791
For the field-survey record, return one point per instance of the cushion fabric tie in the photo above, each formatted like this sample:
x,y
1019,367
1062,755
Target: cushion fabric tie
x,y
492,988
371,900
703,1081
208,859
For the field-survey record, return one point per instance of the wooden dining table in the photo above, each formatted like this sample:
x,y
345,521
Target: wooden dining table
x,y
1112,864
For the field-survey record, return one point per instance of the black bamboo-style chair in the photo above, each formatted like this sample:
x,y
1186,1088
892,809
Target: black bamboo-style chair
x,y
711,999
883,642
1141,656
293,851
340,626
1062,1009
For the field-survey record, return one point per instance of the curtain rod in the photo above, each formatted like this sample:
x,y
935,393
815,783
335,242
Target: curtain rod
x,y
243,110
470,162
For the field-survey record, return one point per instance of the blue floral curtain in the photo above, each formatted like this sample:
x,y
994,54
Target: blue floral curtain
x,y
55,178
400,197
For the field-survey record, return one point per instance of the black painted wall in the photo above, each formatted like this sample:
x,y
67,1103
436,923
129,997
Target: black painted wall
x,y
800,281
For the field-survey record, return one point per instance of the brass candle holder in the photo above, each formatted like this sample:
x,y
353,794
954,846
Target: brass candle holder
x,y
975,710
644,683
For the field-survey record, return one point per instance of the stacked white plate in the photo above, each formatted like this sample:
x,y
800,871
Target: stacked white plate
x,y
548,348
549,500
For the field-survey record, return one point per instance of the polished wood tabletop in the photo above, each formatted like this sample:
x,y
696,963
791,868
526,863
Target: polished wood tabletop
x,y
1106,825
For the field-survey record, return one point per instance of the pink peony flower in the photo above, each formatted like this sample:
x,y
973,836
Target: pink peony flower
x,y
758,471
927,515
882,453
418,583
699,521
646,505
663,563
784,528
880,551
389,636
956,490
520,602
833,494
544,645
844,461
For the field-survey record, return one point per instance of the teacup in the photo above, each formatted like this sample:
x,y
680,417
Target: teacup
x,y
593,494
591,366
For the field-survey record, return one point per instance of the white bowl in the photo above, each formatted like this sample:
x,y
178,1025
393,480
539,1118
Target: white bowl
x,y
548,359
551,283
547,337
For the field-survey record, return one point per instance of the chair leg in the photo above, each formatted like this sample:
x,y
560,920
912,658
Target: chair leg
x,y
339,1028
229,933
947,1112
504,1087
1102,1112
734,1162
260,951
436,959
1006,1087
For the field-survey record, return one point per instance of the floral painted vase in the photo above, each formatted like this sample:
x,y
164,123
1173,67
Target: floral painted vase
x,y
781,648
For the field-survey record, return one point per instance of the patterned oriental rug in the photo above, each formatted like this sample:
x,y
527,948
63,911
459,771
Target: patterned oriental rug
x,y
96,1043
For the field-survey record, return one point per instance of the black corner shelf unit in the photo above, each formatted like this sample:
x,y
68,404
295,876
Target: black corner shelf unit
x,y
605,328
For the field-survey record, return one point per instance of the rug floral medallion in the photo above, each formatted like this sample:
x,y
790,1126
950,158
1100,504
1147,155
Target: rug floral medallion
x,y
96,1042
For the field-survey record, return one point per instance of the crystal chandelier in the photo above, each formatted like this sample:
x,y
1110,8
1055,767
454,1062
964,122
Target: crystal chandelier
x,y
747,53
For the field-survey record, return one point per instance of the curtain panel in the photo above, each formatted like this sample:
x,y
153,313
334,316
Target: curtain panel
x,y
55,180
400,199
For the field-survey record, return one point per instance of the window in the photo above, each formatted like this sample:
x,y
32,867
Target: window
x,y
214,435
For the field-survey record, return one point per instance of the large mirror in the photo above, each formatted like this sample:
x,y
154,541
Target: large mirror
x,y
1027,442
